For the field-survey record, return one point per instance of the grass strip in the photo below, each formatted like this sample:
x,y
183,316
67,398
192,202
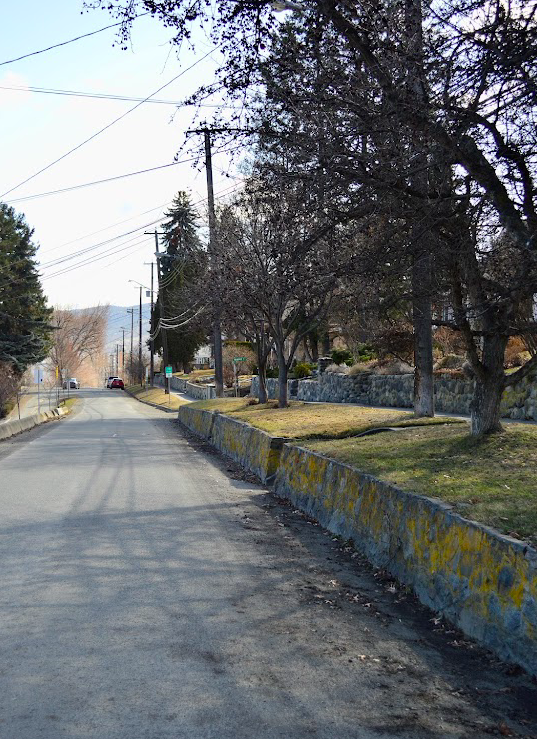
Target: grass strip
x,y
68,403
155,395
313,420
492,480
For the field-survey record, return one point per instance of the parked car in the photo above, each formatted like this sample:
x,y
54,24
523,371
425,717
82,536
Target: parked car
x,y
71,383
117,382
109,380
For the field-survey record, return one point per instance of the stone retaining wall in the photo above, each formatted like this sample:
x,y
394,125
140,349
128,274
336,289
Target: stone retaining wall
x,y
484,582
195,390
273,389
252,448
451,395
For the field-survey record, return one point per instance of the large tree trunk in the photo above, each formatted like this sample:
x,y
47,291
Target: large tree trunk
x,y
263,397
262,373
282,378
489,387
423,337
262,358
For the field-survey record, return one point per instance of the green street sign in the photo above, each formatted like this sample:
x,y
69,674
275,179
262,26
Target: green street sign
x,y
169,371
239,359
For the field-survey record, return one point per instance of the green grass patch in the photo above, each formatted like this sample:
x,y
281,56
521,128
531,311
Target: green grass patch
x,y
155,395
68,403
491,480
312,420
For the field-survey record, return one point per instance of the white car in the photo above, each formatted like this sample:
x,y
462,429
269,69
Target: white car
x,y
72,383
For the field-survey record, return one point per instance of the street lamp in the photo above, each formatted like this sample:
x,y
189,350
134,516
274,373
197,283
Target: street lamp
x,y
131,311
123,329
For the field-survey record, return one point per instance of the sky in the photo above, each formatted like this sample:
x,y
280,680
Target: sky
x,y
108,219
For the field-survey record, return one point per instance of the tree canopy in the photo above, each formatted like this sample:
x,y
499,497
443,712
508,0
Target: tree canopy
x,y
184,262
24,316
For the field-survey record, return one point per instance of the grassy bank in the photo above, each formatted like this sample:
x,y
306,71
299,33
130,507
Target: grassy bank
x,y
155,395
312,420
68,403
492,480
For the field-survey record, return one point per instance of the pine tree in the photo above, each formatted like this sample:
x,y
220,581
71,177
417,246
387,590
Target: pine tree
x,y
24,315
180,272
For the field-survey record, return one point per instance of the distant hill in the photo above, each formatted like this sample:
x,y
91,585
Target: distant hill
x,y
118,317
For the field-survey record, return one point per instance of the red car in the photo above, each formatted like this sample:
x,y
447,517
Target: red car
x,y
116,382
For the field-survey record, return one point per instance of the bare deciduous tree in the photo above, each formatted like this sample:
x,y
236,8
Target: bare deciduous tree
x,y
79,335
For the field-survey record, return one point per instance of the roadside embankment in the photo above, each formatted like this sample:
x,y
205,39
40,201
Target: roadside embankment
x,y
155,397
12,428
481,580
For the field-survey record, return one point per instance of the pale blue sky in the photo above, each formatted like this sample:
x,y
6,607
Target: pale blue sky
x,y
37,128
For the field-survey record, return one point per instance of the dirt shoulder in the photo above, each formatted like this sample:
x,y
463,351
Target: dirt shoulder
x,y
413,675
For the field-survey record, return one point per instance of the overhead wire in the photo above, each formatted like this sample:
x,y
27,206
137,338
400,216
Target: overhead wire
x,y
106,228
109,96
92,260
65,43
81,252
108,125
111,179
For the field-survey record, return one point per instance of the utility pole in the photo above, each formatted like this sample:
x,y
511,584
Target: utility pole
x,y
213,252
117,359
151,340
140,367
123,353
131,311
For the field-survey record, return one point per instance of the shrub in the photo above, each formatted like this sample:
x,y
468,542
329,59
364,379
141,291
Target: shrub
x,y
361,367
342,356
366,352
515,352
521,358
234,349
341,369
395,367
447,341
273,372
450,361
301,369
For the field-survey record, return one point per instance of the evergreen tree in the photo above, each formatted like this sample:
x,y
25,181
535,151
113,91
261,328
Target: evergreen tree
x,y
24,315
180,274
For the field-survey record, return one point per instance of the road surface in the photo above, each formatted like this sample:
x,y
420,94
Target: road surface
x,y
149,590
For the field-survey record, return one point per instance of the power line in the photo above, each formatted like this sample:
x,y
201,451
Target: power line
x,y
110,179
68,257
106,228
96,182
108,125
82,252
92,260
110,252
70,41
108,96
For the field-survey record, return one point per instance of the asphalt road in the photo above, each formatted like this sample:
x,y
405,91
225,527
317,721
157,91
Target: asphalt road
x,y
149,590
